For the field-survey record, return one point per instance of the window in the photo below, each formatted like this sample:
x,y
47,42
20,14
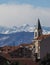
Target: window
x,y
35,34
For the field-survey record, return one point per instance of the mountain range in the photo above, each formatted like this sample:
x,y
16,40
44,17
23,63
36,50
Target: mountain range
x,y
17,38
18,35
7,30
23,28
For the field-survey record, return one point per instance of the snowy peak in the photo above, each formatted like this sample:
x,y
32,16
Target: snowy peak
x,y
23,28
26,28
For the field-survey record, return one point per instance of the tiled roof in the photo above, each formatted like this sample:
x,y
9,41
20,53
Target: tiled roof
x,y
12,48
43,37
25,44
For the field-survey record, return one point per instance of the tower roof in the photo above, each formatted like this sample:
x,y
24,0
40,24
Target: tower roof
x,y
39,25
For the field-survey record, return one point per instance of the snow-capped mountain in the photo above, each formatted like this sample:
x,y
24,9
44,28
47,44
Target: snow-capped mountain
x,y
26,28
46,30
23,28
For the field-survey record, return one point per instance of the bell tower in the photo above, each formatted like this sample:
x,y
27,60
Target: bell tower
x,y
37,33
37,30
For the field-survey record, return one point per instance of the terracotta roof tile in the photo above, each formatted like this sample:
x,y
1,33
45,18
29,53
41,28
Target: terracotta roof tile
x,y
43,37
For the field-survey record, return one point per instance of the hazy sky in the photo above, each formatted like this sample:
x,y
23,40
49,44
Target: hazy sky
x,y
19,12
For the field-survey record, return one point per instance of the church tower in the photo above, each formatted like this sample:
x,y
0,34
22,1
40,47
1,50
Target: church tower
x,y
37,33
37,30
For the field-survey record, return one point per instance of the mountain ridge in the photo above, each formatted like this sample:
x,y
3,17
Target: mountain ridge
x,y
23,28
16,38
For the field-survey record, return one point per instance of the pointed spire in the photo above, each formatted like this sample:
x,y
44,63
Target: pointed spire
x,y
39,25
38,30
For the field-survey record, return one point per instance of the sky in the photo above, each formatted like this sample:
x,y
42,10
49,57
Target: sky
x,y
19,12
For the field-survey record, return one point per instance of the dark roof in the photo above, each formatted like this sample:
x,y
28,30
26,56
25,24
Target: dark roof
x,y
39,25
